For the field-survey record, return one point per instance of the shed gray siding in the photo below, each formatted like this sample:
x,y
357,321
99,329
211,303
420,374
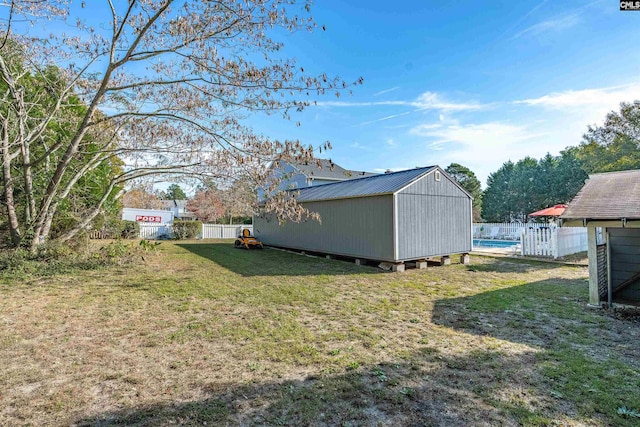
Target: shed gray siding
x,y
357,227
434,218
625,261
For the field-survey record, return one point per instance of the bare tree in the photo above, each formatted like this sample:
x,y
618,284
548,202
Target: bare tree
x,y
164,85
206,205
139,198
235,199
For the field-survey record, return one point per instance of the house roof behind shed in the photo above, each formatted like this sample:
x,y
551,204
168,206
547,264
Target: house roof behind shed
x,y
386,183
612,195
327,170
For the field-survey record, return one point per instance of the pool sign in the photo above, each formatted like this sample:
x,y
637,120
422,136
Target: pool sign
x,y
148,218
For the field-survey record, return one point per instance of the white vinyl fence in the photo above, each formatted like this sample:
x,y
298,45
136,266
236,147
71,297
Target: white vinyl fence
x,y
154,230
502,231
219,231
151,230
553,242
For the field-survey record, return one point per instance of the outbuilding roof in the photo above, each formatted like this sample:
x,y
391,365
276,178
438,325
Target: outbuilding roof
x,y
386,183
606,196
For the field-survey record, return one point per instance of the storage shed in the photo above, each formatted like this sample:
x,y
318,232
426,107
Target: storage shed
x,y
395,217
609,206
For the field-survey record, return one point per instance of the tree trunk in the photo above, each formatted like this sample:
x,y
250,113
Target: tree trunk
x,y
14,225
30,209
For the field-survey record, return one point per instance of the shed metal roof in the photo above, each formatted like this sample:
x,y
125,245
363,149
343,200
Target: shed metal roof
x,y
387,183
612,195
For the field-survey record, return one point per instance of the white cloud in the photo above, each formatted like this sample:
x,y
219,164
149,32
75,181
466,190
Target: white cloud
x,y
386,91
573,110
555,24
482,147
360,104
433,101
382,119
602,98
425,101
525,16
510,130
490,134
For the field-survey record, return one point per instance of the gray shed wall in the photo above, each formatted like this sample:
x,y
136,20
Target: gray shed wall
x,y
358,227
625,261
434,218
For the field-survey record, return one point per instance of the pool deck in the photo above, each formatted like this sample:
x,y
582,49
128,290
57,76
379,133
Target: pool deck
x,y
513,250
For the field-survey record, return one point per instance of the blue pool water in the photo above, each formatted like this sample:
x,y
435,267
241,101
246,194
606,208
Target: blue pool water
x,y
486,243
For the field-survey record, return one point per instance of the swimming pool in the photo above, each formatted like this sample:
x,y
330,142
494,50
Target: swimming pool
x,y
486,243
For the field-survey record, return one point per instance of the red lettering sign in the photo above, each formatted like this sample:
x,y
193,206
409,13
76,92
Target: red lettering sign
x,y
148,218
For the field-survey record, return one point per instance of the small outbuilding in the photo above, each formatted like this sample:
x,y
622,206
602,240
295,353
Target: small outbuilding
x,y
147,215
609,206
396,217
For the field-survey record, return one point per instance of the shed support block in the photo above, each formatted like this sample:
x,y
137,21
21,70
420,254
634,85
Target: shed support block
x,y
329,257
445,260
465,259
421,264
359,261
397,268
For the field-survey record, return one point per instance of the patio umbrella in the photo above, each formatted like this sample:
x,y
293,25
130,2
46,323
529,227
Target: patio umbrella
x,y
556,210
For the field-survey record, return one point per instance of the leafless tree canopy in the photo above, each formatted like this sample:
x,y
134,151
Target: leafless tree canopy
x,y
164,86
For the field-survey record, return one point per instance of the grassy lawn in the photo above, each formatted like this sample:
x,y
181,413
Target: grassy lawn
x,y
202,333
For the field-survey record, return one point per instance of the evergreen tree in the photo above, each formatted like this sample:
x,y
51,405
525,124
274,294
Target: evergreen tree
x,y
468,180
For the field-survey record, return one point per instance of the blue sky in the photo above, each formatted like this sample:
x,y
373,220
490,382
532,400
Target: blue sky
x,y
476,83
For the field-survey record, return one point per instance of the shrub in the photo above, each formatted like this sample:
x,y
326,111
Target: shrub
x,y
114,228
186,229
129,229
55,257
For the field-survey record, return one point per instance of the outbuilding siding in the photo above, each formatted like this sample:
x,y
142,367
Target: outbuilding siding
x,y
399,216
433,218
358,227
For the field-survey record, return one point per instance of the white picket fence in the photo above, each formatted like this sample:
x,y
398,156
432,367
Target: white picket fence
x,y
154,230
553,241
502,231
151,230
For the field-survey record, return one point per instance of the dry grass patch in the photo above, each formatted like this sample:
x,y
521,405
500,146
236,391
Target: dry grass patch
x,y
205,333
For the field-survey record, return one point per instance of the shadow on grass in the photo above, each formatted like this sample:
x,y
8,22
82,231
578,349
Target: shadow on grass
x,y
431,390
272,262
559,378
588,356
512,265
535,313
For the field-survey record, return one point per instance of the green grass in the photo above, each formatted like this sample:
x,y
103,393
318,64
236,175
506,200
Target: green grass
x,y
202,332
